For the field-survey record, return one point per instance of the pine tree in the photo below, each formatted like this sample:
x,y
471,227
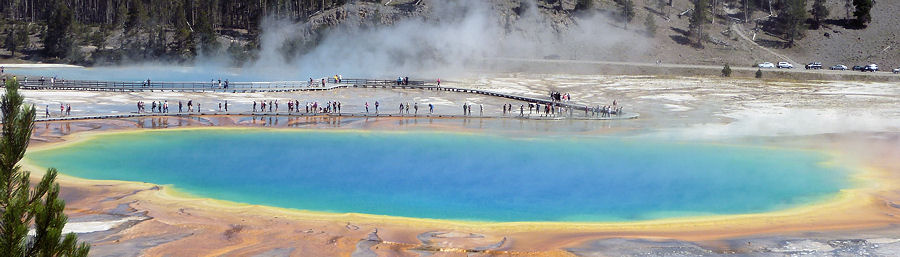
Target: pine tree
x,y
793,20
582,5
862,12
726,71
205,32
699,18
137,16
627,11
819,12
183,38
9,42
848,7
650,25
22,38
57,39
758,73
15,40
22,205
121,15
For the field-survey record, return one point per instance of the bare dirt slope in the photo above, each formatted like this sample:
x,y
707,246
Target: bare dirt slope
x,y
878,43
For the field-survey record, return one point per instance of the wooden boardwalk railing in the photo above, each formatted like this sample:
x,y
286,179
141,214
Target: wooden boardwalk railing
x,y
277,86
213,86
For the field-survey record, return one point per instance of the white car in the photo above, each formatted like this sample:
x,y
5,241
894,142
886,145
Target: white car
x,y
766,65
785,65
871,67
897,70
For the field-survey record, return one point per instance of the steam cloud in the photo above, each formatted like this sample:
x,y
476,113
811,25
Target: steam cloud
x,y
455,34
453,37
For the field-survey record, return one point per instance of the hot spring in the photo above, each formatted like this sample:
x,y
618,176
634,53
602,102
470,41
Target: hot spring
x,y
458,176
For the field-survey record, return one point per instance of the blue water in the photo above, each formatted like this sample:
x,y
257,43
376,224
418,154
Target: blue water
x,y
458,176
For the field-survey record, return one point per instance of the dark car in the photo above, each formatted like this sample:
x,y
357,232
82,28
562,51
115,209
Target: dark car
x,y
814,66
858,67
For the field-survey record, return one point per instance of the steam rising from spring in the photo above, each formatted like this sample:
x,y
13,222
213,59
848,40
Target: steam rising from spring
x,y
453,35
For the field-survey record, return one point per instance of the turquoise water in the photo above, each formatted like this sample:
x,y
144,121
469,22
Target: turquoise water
x,y
457,176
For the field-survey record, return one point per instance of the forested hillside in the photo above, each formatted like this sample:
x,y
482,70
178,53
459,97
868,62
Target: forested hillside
x,y
110,30
92,32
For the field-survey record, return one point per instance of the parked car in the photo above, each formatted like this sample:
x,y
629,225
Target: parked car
x,y
766,65
857,67
785,65
814,66
871,67
839,67
897,70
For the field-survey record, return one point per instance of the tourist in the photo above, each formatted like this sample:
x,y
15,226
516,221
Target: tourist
x,y
401,108
464,108
254,106
367,107
68,109
198,107
430,109
220,106
407,108
480,109
226,101
521,110
416,107
439,82
47,111
376,107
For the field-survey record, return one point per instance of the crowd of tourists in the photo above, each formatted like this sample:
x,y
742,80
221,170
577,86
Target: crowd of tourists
x,y
294,106
163,106
467,109
42,81
64,110
405,107
605,110
560,97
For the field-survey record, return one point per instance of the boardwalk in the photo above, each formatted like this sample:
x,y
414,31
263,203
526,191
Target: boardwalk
x,y
348,115
277,86
213,86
